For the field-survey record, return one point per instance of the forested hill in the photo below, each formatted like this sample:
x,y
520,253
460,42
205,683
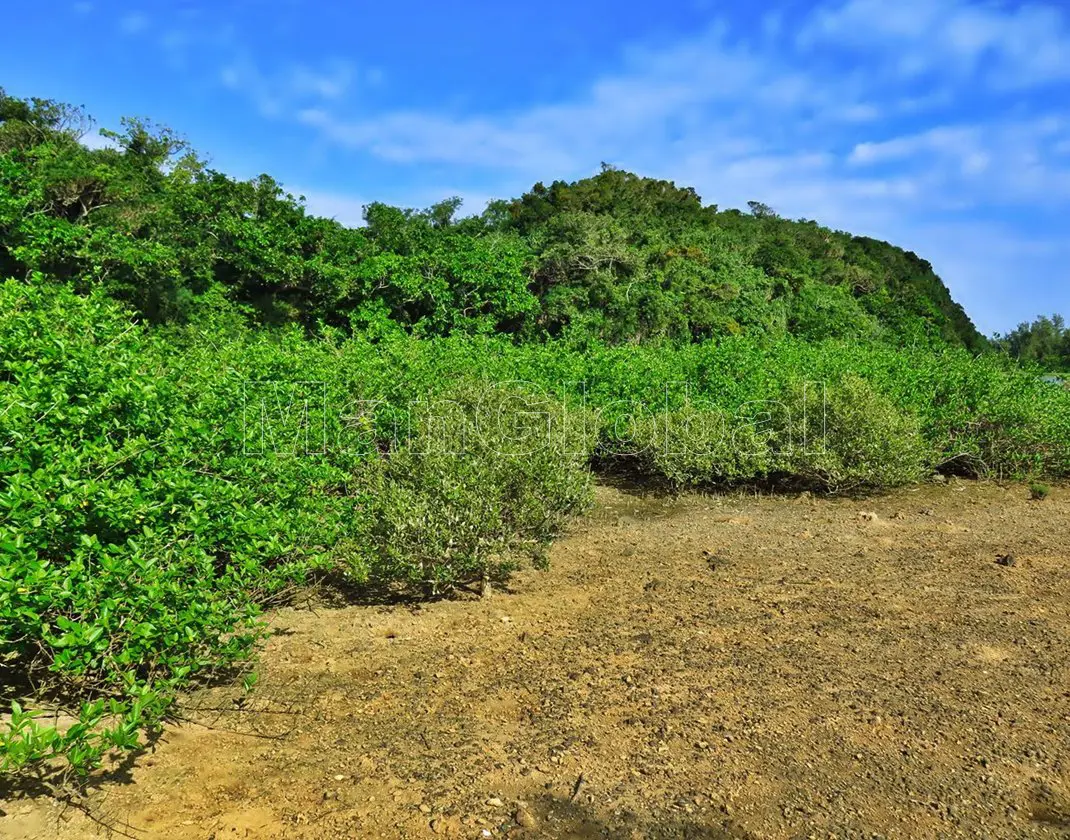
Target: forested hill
x,y
615,257
637,257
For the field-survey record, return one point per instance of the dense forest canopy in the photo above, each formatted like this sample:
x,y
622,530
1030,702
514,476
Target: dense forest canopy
x,y
615,257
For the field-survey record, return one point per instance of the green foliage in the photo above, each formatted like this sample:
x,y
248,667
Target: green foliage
x,y
1038,491
836,436
650,261
490,472
1045,342
614,258
207,395
158,486
694,446
136,537
846,436
821,311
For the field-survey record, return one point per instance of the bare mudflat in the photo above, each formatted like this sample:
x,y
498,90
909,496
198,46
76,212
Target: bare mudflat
x,y
696,667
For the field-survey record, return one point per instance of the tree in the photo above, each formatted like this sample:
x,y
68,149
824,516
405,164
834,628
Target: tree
x,y
1045,341
615,257
24,122
761,211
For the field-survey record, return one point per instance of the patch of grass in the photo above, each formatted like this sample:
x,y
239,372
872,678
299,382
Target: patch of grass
x,y
1038,491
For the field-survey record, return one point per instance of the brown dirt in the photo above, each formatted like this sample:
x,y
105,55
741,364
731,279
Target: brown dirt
x,y
704,667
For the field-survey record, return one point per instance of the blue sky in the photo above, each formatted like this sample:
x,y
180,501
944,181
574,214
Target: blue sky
x,y
939,125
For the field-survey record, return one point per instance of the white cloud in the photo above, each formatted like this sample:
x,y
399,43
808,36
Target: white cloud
x,y
294,86
658,93
861,21
911,143
860,113
416,138
954,141
176,44
1010,47
332,83
994,164
133,23
242,76
729,116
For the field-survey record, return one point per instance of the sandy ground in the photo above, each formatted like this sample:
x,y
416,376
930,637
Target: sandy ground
x,y
693,667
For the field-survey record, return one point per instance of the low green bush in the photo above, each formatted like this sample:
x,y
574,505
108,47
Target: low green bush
x,y
489,474
137,536
836,436
157,489
691,446
845,436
